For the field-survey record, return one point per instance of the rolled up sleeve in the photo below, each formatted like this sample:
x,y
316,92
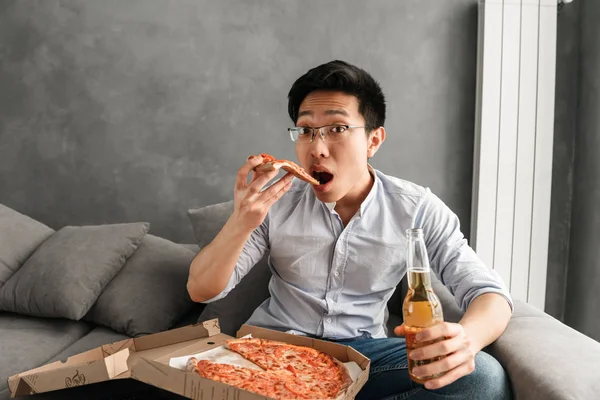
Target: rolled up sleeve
x,y
254,250
452,259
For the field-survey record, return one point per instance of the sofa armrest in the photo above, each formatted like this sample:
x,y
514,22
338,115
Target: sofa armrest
x,y
546,359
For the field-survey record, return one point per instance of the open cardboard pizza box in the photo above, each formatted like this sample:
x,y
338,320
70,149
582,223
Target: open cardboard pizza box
x,y
146,359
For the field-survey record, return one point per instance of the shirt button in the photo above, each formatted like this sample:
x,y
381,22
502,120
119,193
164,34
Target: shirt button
x,y
329,320
336,273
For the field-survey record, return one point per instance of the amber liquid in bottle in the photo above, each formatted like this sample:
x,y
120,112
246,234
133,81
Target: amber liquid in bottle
x,y
421,308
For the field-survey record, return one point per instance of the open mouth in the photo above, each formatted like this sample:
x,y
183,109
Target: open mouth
x,y
322,176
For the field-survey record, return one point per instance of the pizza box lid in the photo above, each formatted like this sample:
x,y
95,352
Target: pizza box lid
x,y
146,359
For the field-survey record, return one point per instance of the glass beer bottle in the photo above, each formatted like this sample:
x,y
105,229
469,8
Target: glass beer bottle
x,y
421,307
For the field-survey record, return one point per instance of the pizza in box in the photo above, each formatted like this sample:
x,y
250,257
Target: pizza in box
x,y
286,371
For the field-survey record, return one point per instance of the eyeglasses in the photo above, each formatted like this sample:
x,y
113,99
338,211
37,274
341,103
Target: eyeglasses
x,y
329,133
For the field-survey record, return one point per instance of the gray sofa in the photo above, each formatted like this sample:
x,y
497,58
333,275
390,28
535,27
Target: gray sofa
x,y
144,292
67,291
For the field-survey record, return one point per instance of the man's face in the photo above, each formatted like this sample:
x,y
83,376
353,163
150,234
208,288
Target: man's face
x,y
342,165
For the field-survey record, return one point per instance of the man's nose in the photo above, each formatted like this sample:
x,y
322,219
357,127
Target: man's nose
x,y
318,146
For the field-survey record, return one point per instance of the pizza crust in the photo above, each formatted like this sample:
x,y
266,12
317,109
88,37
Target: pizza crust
x,y
229,343
192,365
346,378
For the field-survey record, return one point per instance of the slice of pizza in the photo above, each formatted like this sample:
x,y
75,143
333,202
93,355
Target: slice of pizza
x,y
316,368
266,383
252,349
226,373
269,163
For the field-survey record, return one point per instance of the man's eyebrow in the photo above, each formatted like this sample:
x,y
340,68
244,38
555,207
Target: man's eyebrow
x,y
337,112
305,112
328,112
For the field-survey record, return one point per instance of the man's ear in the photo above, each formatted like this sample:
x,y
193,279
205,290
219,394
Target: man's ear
x,y
375,139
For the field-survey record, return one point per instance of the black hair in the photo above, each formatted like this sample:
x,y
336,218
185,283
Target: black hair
x,y
343,77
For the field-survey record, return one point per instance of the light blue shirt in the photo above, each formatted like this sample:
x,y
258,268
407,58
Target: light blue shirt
x,y
333,281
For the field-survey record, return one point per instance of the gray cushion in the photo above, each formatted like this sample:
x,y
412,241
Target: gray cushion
x,y
207,221
95,338
28,342
191,247
149,294
19,237
66,274
234,309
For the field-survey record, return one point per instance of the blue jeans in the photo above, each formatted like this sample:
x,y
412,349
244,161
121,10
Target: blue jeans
x,y
389,380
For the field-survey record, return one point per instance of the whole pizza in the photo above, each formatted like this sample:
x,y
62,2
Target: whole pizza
x,y
287,371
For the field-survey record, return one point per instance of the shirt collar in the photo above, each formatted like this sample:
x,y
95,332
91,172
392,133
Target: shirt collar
x,y
372,192
331,206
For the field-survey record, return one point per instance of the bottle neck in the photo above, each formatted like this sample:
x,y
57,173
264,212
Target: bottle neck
x,y
417,261
419,280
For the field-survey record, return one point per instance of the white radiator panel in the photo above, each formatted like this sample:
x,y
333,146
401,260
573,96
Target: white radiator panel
x,y
513,142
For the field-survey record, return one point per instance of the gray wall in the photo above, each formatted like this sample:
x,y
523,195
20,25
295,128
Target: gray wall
x,y
114,111
583,282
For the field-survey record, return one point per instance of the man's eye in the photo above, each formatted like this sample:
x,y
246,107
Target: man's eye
x,y
338,128
303,130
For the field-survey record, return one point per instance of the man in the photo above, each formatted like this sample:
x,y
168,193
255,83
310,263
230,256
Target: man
x,y
337,250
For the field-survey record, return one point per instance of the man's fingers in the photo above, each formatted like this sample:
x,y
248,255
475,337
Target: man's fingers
x,y
445,364
441,348
277,186
278,189
258,172
244,171
278,195
257,184
445,329
450,376
399,330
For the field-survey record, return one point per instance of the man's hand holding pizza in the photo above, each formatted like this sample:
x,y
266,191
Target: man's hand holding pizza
x,y
251,202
